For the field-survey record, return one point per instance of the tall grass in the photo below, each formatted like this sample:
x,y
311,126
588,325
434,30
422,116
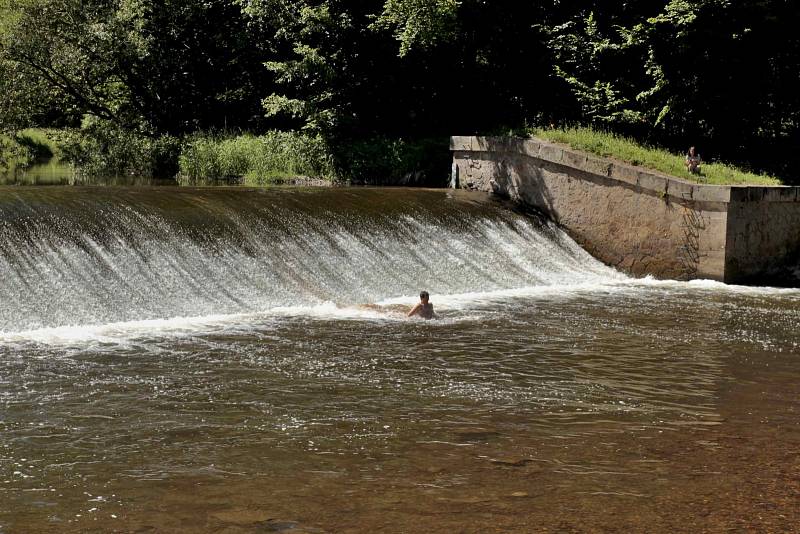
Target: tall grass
x,y
279,156
259,160
614,146
100,150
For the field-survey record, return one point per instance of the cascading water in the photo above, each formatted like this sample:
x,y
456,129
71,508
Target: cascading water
x,y
231,360
97,256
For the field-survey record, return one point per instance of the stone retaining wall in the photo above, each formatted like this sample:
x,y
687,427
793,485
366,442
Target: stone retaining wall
x,y
640,221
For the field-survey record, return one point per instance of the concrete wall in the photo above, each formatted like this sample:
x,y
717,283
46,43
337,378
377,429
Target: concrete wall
x,y
763,238
639,221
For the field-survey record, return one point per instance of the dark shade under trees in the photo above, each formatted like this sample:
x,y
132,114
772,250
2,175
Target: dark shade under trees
x,y
719,74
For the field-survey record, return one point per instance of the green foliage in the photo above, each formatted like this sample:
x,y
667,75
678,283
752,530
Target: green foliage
x,y
402,68
315,71
32,157
166,66
611,145
718,74
199,161
714,73
20,150
383,160
13,154
277,156
103,149
257,159
419,23
73,46
582,53
38,144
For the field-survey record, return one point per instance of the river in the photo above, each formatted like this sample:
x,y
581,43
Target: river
x,y
234,360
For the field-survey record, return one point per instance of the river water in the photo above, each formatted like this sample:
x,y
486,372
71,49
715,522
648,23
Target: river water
x,y
232,360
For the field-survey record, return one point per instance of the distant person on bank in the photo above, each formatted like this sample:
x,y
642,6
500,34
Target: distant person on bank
x,y
693,161
423,308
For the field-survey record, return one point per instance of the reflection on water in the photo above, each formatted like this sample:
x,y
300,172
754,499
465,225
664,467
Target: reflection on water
x,y
50,172
605,404
55,172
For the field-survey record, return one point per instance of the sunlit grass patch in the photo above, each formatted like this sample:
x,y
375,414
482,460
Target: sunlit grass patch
x,y
610,145
26,148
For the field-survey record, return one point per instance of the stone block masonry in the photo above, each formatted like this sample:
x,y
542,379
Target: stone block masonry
x,y
640,221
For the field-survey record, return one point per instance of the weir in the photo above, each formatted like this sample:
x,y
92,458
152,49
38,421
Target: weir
x,y
219,359
643,222
82,256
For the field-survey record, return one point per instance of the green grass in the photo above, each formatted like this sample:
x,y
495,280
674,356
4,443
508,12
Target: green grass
x,y
28,149
258,160
100,150
41,147
282,156
613,146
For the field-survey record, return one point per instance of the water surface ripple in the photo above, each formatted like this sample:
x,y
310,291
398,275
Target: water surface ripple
x,y
201,360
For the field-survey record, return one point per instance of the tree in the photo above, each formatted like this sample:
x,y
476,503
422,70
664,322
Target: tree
x,y
717,73
419,23
407,67
726,73
156,67
64,49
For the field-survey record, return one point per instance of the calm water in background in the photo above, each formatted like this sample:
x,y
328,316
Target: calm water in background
x,y
49,172
239,361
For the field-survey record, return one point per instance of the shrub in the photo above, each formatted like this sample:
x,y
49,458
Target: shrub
x,y
383,160
102,149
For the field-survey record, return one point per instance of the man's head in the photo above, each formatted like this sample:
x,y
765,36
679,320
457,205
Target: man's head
x,y
423,296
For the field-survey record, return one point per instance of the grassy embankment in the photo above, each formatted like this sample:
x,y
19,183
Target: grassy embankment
x,y
282,156
613,146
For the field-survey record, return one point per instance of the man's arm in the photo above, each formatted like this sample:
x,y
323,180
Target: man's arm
x,y
414,310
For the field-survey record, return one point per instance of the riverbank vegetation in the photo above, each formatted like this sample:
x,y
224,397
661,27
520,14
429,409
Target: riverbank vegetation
x,y
257,159
607,144
368,91
276,157
26,147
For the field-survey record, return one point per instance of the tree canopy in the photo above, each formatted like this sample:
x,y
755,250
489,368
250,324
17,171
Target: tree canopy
x,y
717,73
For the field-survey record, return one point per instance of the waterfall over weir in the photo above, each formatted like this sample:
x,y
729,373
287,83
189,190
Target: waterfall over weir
x,y
194,360
92,256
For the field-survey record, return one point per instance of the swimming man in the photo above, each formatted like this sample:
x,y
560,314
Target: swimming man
x,y
423,308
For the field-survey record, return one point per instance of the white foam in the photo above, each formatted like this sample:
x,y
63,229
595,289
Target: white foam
x,y
714,285
386,310
594,287
190,326
114,332
329,310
